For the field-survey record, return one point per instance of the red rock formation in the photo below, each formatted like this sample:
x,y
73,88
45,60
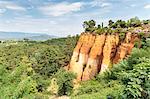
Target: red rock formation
x,y
97,53
109,50
121,52
80,54
74,65
125,48
95,57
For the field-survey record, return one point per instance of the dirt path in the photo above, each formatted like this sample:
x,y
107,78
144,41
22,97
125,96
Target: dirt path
x,y
61,97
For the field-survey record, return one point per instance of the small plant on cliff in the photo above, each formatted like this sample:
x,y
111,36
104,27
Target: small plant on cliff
x,y
143,38
122,36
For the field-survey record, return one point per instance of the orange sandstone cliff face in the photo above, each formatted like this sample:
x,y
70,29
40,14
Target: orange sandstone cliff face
x,y
125,47
109,50
94,60
95,54
81,54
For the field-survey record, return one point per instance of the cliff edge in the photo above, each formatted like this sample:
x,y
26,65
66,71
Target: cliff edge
x,y
96,53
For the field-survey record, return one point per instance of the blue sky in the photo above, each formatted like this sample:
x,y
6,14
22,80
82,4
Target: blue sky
x,y
65,17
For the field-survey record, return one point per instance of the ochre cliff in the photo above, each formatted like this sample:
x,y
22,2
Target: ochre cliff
x,y
94,60
95,53
125,47
109,51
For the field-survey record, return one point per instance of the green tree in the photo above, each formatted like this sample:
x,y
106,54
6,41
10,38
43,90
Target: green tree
x,y
102,25
146,22
65,82
99,26
26,39
134,22
120,24
89,25
110,23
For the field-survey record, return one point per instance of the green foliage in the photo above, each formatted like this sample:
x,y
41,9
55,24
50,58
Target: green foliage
x,y
66,46
133,73
25,87
65,82
46,61
27,68
147,44
110,23
134,22
146,22
99,89
89,25
16,83
119,24
122,36
136,78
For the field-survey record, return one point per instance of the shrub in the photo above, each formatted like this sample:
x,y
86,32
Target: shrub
x,y
16,83
133,73
65,82
137,80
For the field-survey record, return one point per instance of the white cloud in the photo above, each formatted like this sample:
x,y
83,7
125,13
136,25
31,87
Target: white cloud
x,y
61,8
11,6
100,3
147,6
105,5
62,26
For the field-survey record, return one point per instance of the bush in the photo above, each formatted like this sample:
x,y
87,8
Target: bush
x,y
94,89
133,73
65,82
17,84
136,80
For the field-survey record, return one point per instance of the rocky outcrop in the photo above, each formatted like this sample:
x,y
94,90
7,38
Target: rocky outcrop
x,y
109,51
81,53
94,60
125,47
95,54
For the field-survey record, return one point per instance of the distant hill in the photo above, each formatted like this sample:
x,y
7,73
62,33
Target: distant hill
x,y
21,36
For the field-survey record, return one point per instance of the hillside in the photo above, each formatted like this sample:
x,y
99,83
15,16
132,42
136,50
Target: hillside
x,y
110,62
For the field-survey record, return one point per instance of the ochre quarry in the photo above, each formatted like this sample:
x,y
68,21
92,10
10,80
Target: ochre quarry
x,y
94,60
95,53
125,47
109,51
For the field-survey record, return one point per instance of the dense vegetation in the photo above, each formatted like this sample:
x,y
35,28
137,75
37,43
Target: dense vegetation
x,y
30,69
26,68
